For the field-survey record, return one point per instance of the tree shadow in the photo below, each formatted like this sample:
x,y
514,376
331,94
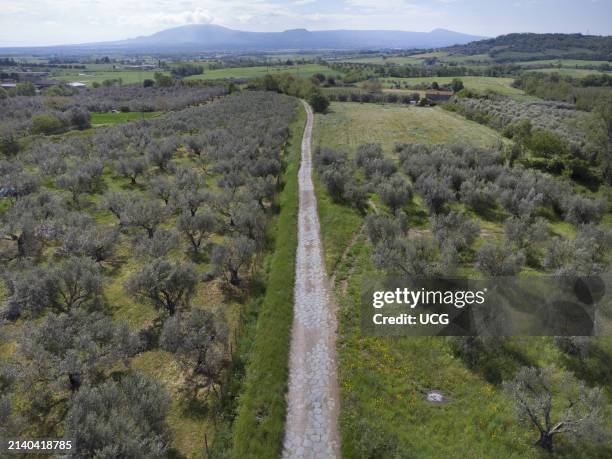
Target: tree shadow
x,y
595,368
494,358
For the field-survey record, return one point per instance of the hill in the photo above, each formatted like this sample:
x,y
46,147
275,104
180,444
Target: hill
x,y
526,46
207,37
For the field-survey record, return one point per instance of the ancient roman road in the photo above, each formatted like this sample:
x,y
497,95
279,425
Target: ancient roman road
x,y
311,429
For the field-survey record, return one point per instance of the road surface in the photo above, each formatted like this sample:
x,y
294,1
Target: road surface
x,y
311,429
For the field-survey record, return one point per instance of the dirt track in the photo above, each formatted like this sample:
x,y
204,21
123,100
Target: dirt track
x,y
312,414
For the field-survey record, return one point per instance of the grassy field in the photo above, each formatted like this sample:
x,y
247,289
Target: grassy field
x,y
382,380
399,60
246,73
106,119
418,59
573,72
349,124
564,62
480,84
259,427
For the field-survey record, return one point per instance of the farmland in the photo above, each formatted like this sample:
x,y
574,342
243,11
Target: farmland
x,y
104,119
480,84
90,77
245,73
153,200
348,125
479,418
568,71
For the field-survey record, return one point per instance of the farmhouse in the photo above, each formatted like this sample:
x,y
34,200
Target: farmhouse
x,y
30,76
439,95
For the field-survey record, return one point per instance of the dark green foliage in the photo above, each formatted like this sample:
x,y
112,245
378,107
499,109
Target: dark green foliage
x,y
456,85
47,124
318,102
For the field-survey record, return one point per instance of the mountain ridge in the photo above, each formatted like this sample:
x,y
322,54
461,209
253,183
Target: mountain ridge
x,y
211,37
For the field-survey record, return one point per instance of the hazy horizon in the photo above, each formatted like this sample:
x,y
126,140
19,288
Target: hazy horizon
x,y
56,22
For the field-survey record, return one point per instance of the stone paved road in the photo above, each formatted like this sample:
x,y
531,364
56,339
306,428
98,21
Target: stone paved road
x,y
312,416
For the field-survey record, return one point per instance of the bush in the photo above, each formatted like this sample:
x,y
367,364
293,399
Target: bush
x,y
47,124
499,260
318,102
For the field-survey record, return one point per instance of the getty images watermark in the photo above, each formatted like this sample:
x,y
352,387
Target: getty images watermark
x,y
411,299
501,306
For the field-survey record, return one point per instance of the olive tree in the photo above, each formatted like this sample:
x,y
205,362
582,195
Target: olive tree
x,y
583,256
454,228
197,228
478,194
168,285
230,257
78,282
199,339
395,192
131,167
436,193
382,227
72,350
417,257
125,418
160,153
115,203
499,260
83,177
143,213
64,287
568,407
158,246
88,240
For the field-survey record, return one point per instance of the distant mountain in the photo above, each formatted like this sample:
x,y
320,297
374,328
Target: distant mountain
x,y
206,37
520,46
216,38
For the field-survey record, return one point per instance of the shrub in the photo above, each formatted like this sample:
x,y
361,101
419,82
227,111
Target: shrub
x,y
499,260
47,124
318,102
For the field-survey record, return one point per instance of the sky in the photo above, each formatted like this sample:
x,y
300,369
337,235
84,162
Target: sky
x,y
51,22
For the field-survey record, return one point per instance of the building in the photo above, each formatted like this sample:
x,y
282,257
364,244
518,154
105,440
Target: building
x,y
43,84
30,76
439,96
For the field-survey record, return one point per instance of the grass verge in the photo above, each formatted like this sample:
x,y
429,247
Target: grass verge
x,y
259,426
